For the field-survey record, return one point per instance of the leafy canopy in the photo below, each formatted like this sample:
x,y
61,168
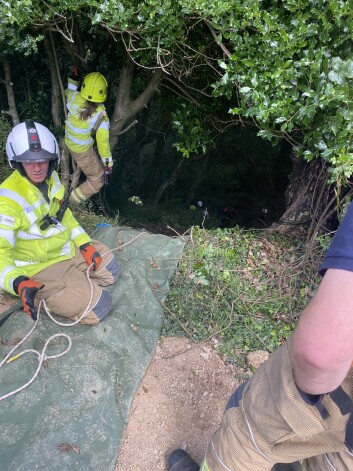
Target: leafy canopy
x,y
286,65
291,64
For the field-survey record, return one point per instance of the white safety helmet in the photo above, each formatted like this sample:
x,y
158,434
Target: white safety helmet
x,y
31,142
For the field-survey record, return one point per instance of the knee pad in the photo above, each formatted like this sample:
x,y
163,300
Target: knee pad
x,y
113,269
235,398
103,306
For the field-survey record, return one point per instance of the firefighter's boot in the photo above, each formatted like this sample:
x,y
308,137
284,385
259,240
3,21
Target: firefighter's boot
x,y
179,460
287,467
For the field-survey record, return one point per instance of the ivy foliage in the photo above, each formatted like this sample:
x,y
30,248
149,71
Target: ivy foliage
x,y
287,65
243,289
291,63
194,136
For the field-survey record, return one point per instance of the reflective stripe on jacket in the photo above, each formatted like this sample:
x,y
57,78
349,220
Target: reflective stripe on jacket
x,y
78,136
26,249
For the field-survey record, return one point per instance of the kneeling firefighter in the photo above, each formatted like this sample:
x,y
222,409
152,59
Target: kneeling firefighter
x,y
44,251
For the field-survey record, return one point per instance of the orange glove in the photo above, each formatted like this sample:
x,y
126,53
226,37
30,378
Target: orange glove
x,y
74,73
90,254
27,289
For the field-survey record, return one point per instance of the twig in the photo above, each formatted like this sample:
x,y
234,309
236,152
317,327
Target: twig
x,y
176,318
122,246
224,328
177,233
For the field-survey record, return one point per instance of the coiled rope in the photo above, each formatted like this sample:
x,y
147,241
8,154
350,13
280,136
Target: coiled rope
x,y
42,356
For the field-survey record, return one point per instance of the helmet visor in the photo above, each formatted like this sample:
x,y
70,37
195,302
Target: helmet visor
x,y
41,155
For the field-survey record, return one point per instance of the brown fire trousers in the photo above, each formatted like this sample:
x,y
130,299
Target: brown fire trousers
x,y
68,292
268,421
91,165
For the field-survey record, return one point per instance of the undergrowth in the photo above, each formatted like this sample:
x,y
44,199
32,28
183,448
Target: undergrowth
x,y
176,216
241,289
90,221
244,289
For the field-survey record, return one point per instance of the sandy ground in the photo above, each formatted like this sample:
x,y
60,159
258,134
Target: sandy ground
x,y
179,403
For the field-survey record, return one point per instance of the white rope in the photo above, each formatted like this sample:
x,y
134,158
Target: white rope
x,y
42,355
348,451
41,358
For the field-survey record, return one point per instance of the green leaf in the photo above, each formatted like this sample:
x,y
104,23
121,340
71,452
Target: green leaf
x,y
245,90
335,77
321,145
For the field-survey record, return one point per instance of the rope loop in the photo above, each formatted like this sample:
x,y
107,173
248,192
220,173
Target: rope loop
x,y
9,358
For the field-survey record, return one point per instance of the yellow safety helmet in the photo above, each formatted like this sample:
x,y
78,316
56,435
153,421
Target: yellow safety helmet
x,y
94,87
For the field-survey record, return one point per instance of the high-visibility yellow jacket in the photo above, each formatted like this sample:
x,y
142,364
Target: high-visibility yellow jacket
x,y
26,249
78,135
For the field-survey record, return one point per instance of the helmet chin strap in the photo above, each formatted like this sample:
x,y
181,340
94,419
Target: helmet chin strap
x,y
51,168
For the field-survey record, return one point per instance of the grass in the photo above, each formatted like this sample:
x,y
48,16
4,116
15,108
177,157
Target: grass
x,y
174,215
244,289
89,220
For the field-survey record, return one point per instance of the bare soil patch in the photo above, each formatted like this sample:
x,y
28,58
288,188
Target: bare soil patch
x,y
179,403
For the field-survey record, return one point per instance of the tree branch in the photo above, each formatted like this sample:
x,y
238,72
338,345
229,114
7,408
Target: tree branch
x,y
183,91
12,111
213,32
127,128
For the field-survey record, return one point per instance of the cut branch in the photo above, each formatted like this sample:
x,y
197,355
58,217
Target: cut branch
x,y
128,127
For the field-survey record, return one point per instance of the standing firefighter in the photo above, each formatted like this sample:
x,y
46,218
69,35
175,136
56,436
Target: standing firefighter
x,y
298,405
44,252
86,117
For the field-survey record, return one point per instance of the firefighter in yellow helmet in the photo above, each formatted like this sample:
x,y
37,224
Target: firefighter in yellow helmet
x,y
87,120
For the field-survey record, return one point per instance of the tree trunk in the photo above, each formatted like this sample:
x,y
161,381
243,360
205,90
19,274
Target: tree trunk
x,y
12,111
202,169
157,166
125,108
168,182
307,197
78,51
55,87
57,103
141,135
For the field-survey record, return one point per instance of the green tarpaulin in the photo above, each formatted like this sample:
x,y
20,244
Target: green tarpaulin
x,y
72,417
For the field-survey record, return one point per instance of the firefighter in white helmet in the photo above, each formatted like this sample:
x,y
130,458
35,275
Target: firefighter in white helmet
x,y
86,122
44,251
